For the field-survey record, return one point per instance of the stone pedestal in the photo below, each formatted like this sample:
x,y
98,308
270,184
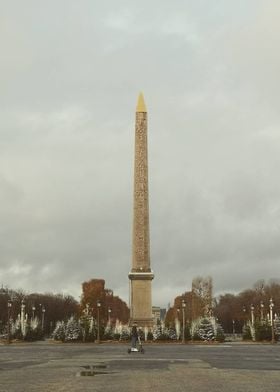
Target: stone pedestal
x,y
141,298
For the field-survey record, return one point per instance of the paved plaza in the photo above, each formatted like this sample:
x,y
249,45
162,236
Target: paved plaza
x,y
48,366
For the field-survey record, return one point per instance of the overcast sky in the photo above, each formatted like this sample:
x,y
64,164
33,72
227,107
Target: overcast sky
x,y
70,74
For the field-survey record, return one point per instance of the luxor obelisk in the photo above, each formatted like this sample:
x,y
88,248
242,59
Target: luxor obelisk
x,y
141,274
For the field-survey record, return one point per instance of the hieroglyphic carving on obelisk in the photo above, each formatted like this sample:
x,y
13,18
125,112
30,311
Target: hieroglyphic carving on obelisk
x,y
141,275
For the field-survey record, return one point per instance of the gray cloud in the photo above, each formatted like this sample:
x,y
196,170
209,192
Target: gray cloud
x,y
70,74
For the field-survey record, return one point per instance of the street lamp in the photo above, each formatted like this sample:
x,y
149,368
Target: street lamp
x,y
271,306
22,308
98,303
262,306
252,314
244,312
43,317
33,312
109,316
8,325
183,329
233,327
22,314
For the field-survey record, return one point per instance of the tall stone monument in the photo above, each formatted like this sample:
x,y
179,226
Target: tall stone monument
x,y
141,274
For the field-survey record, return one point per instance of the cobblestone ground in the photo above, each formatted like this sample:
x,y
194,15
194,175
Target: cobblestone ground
x,y
70,367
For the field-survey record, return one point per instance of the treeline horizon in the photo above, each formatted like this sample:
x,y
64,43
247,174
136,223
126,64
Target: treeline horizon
x,y
60,307
231,309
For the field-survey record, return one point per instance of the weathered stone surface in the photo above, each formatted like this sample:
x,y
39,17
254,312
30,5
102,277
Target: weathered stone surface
x,y
141,274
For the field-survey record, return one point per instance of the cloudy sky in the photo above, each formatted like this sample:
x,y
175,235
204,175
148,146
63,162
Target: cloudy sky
x,y
70,74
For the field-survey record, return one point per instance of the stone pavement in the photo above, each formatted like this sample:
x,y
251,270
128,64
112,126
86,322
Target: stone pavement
x,y
170,367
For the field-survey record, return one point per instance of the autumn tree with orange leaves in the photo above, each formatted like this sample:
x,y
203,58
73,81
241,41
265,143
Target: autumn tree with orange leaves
x,y
93,291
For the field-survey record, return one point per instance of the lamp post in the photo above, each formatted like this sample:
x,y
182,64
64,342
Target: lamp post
x,y
8,325
109,316
244,312
22,308
178,324
183,329
252,314
43,317
22,313
33,312
233,327
271,306
98,303
262,306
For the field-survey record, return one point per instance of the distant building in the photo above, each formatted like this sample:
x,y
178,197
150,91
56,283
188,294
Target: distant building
x,y
162,314
158,314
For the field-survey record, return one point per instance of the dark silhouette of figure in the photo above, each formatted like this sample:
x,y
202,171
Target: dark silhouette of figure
x,y
134,336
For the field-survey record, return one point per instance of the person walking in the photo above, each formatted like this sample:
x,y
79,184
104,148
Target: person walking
x,y
134,336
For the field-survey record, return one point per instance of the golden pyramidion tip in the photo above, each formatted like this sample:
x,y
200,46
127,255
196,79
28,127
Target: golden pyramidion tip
x,y
141,107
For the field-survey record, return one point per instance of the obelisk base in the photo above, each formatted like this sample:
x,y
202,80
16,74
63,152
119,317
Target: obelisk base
x,y
141,297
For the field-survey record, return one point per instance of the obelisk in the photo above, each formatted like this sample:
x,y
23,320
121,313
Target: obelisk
x,y
141,274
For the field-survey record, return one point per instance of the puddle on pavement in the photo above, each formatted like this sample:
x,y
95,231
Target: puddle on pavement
x,y
98,366
93,370
90,373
